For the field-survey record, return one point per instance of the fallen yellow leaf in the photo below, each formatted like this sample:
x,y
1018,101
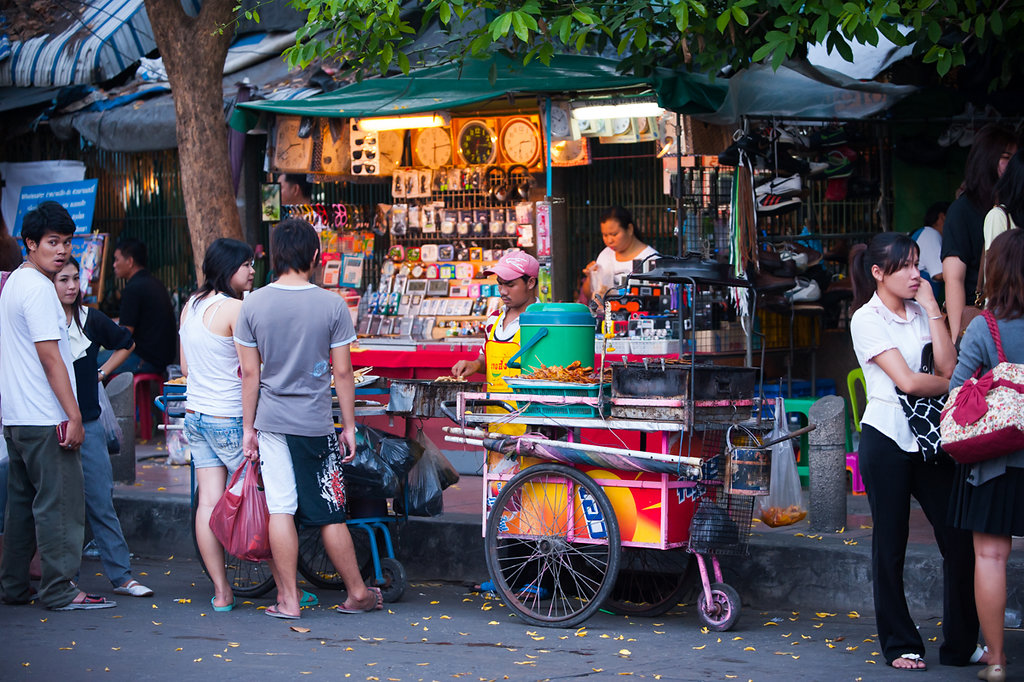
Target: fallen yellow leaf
x,y
749,648
299,628
494,622
853,614
625,652
698,648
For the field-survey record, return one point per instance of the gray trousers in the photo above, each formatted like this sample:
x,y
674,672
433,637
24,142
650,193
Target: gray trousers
x,y
45,509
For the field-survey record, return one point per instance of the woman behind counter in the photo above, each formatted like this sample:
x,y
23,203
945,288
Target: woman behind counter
x,y
990,494
622,246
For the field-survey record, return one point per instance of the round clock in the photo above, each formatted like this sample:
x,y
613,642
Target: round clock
x,y
560,125
390,143
520,141
433,147
291,152
569,151
477,143
620,125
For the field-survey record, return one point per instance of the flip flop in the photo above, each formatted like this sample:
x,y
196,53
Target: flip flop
x,y
377,605
308,599
222,609
911,657
274,613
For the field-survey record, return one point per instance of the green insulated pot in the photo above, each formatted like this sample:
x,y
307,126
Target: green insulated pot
x,y
554,334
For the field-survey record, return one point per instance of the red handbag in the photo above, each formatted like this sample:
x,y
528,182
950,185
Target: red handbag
x,y
240,519
984,418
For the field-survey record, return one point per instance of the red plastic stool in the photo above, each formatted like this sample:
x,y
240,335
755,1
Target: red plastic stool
x,y
144,404
853,466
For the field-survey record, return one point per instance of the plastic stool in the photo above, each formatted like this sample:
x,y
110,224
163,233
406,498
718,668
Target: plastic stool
x,y
802,406
143,405
853,466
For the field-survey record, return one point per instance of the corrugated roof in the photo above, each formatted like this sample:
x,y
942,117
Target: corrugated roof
x,y
106,38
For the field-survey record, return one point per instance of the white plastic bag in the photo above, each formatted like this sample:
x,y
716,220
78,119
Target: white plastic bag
x,y
783,505
178,451
111,429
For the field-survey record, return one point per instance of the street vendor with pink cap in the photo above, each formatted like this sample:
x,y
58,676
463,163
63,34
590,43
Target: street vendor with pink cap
x,y
517,285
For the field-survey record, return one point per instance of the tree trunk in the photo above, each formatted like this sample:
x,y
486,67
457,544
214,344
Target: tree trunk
x,y
194,53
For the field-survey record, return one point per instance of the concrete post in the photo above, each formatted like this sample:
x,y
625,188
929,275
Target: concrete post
x,y
827,462
121,392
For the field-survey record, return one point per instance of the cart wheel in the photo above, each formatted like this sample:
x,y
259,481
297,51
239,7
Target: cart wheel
x,y
247,578
317,567
650,582
392,587
723,611
539,563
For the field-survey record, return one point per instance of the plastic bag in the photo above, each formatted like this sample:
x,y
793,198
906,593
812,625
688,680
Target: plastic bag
x,y
178,450
240,519
111,429
783,505
428,479
382,461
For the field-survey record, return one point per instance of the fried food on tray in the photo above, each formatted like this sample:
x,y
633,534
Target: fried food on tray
x,y
450,380
575,373
177,382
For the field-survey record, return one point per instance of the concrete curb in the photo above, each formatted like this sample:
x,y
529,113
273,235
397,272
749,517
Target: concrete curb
x,y
781,571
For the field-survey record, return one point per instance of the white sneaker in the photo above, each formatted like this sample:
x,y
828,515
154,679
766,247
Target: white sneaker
x,y
781,187
805,291
133,588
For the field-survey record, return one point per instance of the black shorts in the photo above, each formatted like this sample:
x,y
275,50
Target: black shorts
x,y
319,481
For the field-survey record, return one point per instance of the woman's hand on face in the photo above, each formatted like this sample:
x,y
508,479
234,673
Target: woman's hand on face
x,y
926,297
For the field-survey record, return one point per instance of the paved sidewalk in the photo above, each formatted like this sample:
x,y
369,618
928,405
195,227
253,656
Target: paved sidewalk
x,y
789,567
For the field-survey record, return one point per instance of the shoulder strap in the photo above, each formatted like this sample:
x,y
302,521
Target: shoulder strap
x,y
993,329
3,279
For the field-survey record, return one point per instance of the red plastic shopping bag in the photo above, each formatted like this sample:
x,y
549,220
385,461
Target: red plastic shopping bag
x,y
240,519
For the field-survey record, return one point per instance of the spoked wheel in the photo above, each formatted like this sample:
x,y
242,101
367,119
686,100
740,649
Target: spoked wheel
x,y
723,611
247,578
650,582
552,545
317,567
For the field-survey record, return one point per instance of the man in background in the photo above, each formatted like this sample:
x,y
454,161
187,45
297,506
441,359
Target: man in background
x,y
146,311
929,241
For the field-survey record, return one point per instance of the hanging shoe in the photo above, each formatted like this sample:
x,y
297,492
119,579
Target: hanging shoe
x,y
839,165
782,187
805,291
772,203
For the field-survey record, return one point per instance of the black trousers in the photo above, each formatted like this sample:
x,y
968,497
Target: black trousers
x,y
891,476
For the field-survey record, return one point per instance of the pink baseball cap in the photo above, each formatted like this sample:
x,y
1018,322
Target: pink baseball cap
x,y
514,265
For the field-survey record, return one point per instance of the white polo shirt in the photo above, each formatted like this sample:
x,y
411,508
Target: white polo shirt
x,y
875,329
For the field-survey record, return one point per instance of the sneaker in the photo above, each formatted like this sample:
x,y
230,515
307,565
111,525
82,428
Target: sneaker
x,y
772,203
88,603
782,187
830,137
91,551
839,165
818,167
805,291
133,588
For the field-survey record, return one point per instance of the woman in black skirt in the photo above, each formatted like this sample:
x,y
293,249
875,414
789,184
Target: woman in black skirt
x,y
990,494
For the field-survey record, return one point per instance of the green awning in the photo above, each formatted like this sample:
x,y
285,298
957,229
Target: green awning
x,y
454,86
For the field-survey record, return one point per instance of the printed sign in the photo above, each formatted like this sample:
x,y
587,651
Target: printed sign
x,y
79,198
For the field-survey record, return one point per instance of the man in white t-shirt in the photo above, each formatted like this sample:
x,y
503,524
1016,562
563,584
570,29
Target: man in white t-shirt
x,y
42,424
929,241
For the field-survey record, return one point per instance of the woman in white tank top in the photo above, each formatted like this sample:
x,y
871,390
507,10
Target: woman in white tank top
x,y
213,420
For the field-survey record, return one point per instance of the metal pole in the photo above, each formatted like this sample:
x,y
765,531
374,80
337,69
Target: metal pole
x,y
547,132
680,241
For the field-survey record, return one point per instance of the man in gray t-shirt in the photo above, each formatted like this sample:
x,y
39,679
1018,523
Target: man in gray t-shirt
x,y
292,337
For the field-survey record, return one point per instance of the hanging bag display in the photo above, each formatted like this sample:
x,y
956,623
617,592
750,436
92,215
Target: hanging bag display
x,y
984,418
923,414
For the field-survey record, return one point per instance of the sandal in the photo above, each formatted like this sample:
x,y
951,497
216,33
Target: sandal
x,y
916,658
308,599
378,603
274,613
133,588
87,602
222,609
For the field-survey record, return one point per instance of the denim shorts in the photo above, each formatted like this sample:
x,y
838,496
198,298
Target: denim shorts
x,y
214,441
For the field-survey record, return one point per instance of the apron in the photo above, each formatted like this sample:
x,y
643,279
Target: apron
x,y
496,356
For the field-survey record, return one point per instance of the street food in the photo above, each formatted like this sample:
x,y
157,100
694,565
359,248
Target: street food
x,y
180,381
361,373
450,380
777,516
575,373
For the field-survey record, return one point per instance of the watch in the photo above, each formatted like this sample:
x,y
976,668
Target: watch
x,y
570,152
477,143
433,147
520,141
621,125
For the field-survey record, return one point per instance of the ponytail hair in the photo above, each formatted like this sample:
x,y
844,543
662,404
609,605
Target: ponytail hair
x,y
890,251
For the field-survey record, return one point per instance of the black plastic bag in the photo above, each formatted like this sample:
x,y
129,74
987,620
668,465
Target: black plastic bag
x,y
382,461
428,479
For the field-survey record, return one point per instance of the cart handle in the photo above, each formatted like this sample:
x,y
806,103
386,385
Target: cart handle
x,y
447,405
792,434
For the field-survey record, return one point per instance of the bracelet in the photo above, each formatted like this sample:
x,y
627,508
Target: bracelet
x,y
937,317
103,375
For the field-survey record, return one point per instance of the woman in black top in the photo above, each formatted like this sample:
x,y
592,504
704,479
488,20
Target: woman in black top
x,y
87,331
963,235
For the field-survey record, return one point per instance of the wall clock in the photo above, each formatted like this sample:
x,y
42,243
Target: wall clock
x,y
570,153
390,143
561,121
520,141
433,147
292,154
478,143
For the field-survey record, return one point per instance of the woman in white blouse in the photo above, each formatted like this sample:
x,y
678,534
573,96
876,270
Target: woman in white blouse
x,y
896,317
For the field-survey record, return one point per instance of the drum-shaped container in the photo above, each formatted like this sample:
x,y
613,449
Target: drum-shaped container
x,y
554,334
